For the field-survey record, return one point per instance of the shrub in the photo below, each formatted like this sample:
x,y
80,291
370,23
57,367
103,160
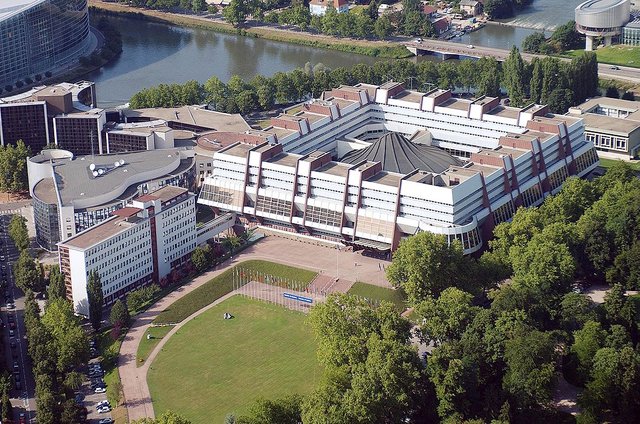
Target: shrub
x,y
8,87
19,84
38,77
47,74
28,80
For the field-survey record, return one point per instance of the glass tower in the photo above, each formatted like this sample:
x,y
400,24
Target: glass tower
x,y
39,35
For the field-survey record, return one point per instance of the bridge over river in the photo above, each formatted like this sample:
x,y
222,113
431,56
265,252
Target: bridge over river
x,y
452,50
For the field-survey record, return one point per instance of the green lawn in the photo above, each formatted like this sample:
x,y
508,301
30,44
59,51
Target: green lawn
x,y
377,293
608,163
616,55
146,345
223,284
212,366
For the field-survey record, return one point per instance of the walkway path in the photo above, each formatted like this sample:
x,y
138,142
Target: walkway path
x,y
328,261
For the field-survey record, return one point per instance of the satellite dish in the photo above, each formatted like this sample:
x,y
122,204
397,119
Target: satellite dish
x,y
92,166
100,171
95,173
121,162
116,164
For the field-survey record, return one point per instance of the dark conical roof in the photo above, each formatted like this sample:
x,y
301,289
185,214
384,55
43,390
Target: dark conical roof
x,y
398,154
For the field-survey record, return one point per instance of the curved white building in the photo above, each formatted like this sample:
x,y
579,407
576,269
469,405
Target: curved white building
x,y
602,18
71,194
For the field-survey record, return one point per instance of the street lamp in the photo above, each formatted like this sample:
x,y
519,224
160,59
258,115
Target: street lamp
x,y
411,82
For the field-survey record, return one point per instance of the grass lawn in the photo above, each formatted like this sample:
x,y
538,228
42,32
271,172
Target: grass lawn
x,y
608,163
146,345
212,366
377,293
616,55
223,284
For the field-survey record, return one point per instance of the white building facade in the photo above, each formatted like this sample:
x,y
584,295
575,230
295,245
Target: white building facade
x,y
140,244
512,157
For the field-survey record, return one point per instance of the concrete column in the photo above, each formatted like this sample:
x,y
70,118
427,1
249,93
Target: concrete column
x,y
589,45
607,40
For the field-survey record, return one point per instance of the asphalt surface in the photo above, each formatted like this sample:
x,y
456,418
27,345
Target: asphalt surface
x,y
22,399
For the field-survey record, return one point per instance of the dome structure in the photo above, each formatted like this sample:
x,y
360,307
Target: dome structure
x,y
400,155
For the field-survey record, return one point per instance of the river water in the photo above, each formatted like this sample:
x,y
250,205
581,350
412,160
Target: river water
x,y
157,53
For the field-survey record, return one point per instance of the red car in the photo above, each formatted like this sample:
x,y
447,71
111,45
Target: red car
x,y
23,419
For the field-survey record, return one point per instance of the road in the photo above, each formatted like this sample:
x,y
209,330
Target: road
x,y
22,399
623,73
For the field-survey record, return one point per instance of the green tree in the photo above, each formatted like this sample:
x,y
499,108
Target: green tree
x,y
530,368
6,410
514,73
46,406
372,374
488,83
236,12
560,100
535,87
533,43
426,264
26,272
119,315
168,417
18,232
382,27
198,5
626,268
69,338
285,410
72,413
575,310
95,298
618,308
57,288
200,259
446,317
587,341
614,385
13,167
468,74
565,37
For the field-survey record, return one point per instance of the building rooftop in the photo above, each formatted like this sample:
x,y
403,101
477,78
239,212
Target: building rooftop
x,y
589,105
285,159
398,154
76,181
335,168
386,178
409,96
103,231
193,115
164,194
238,149
595,122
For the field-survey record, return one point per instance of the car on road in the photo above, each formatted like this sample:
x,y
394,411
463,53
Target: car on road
x,y
470,46
100,390
615,68
11,306
2,258
22,418
11,333
104,409
16,366
105,421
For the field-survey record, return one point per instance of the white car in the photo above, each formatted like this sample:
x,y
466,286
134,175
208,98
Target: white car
x,y
105,421
103,403
100,390
104,409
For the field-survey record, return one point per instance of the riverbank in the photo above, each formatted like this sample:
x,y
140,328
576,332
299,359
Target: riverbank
x,y
375,48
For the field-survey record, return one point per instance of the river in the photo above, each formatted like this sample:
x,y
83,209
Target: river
x,y
154,53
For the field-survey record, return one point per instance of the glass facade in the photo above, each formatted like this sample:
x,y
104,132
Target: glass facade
x,y
41,37
631,35
46,222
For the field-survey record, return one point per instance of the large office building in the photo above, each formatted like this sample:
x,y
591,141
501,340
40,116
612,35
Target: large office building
x,y
612,125
39,35
602,18
139,244
29,116
70,194
371,165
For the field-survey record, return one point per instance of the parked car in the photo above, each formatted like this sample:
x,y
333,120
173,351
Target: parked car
x,y
11,306
10,318
103,403
16,366
104,409
100,390
18,385
22,418
105,421
615,68
12,333
12,343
